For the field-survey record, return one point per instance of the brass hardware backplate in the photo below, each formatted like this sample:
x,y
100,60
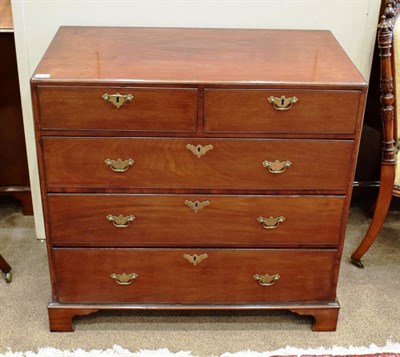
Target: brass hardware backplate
x,y
276,167
124,279
282,103
196,206
120,221
195,259
117,99
199,150
271,222
266,280
119,165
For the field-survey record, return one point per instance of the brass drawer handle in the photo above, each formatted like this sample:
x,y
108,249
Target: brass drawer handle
x,y
117,99
120,221
119,165
195,259
271,222
199,150
124,279
266,280
196,206
276,167
282,103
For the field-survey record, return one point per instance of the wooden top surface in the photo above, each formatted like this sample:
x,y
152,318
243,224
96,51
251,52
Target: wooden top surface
x,y
172,55
6,22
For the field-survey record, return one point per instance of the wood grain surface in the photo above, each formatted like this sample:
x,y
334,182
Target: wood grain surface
x,y
155,109
197,56
200,88
225,276
165,220
250,111
167,163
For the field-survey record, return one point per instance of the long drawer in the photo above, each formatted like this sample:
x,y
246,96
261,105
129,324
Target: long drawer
x,y
260,111
182,163
90,108
194,276
194,220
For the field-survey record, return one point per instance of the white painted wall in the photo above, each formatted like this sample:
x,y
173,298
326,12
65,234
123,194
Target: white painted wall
x,y
353,22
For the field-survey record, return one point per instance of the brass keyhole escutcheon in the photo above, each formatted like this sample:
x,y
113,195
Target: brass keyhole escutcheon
x,y
195,259
196,206
199,150
117,99
282,103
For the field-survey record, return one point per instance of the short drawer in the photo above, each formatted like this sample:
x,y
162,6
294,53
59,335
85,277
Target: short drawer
x,y
251,111
193,276
180,163
150,109
194,220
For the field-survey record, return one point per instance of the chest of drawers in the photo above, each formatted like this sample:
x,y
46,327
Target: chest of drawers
x,y
195,169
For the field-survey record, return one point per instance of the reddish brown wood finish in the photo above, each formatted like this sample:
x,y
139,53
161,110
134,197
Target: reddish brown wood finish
x,y
162,220
381,209
164,276
388,112
319,138
4,266
167,163
325,318
325,314
60,320
160,55
14,178
151,109
249,111
25,198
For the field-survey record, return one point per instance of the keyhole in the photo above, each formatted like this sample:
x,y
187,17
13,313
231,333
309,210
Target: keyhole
x,y
196,204
117,100
198,149
282,101
194,258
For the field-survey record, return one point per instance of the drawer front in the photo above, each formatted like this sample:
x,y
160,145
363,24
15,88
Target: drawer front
x,y
250,111
83,108
169,164
166,276
194,220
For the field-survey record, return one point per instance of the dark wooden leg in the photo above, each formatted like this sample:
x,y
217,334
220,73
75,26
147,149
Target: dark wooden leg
x,y
6,269
22,194
381,210
325,318
371,209
25,198
4,266
60,319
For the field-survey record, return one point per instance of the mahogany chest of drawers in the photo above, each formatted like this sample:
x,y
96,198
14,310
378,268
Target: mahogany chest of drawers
x,y
195,169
